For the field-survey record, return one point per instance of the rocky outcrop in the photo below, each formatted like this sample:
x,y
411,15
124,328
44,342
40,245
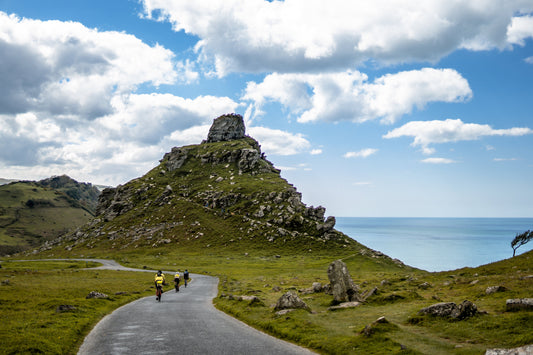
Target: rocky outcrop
x,y
290,300
451,310
494,289
342,285
226,128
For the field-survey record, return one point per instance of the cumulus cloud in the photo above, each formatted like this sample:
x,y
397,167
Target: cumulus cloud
x,y
349,96
316,152
521,28
450,130
277,142
70,71
364,153
311,35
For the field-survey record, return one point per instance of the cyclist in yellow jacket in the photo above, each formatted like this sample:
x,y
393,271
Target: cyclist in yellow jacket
x,y
177,281
159,282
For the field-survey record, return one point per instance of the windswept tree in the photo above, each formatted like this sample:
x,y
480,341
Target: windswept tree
x,y
520,240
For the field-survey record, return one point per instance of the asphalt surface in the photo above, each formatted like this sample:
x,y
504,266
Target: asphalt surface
x,y
184,322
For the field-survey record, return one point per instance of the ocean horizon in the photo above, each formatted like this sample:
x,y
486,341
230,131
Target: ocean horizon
x,y
438,244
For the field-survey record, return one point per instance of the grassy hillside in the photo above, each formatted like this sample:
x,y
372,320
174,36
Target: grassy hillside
x,y
221,209
31,214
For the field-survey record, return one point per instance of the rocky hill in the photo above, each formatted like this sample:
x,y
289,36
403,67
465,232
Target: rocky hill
x,y
220,194
34,212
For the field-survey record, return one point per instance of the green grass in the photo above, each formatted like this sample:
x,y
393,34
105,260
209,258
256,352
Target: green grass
x,y
31,293
31,320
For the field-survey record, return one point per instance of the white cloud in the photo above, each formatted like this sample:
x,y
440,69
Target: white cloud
x,y
364,153
431,132
316,152
310,35
279,142
521,28
71,71
438,161
529,60
362,183
348,96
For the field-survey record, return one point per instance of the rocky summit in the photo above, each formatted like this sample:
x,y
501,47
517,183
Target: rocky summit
x,y
222,193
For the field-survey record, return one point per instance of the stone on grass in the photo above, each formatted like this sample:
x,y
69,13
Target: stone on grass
x,y
524,350
290,300
344,305
451,310
342,286
493,289
519,304
95,294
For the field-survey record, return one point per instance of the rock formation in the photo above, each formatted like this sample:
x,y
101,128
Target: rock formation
x,y
342,286
290,300
451,310
226,128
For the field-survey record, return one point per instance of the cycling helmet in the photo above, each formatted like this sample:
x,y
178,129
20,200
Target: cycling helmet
x,y
159,273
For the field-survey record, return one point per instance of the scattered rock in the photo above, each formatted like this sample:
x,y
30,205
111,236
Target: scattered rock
x,y
290,300
65,308
493,289
370,329
276,288
451,310
5,282
519,304
474,282
95,294
315,288
342,286
284,311
524,350
424,285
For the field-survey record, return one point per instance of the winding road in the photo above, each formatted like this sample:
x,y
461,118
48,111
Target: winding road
x,y
184,322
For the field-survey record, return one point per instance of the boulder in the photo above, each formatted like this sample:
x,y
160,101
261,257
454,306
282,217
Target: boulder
x,y
519,304
290,300
524,350
342,286
493,289
451,310
225,128
95,294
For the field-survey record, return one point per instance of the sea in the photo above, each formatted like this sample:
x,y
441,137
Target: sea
x,y
438,244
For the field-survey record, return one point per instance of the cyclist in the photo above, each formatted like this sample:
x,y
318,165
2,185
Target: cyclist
x,y
185,277
177,281
159,282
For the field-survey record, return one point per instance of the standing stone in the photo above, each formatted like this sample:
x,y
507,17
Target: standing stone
x,y
342,286
225,128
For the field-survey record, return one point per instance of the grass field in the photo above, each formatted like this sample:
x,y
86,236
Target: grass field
x,y
31,323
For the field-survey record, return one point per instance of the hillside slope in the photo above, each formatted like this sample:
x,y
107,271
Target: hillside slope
x,y
219,196
33,212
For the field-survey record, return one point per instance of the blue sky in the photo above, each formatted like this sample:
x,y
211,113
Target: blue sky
x,y
388,108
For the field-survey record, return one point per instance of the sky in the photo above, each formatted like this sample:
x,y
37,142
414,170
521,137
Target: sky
x,y
393,108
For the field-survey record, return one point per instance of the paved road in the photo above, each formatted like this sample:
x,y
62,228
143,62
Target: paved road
x,y
185,322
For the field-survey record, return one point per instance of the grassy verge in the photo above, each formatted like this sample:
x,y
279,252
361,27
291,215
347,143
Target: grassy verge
x,y
33,296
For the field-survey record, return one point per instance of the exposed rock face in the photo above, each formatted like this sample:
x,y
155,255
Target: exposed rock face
x,y
226,128
519,304
451,310
342,286
290,300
